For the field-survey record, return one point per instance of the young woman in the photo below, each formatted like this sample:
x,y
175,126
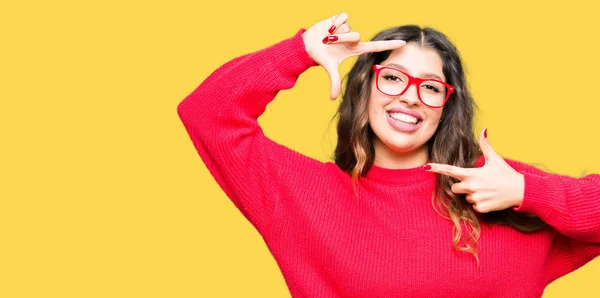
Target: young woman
x,y
414,205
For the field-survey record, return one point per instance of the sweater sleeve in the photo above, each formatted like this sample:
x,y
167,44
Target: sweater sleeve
x,y
221,114
569,205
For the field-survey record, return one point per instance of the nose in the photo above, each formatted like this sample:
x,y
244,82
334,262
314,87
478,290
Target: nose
x,y
410,96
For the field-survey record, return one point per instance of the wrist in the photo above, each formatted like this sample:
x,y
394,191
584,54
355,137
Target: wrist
x,y
306,47
519,190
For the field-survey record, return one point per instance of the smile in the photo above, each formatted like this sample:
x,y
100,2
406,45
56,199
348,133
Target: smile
x,y
402,122
404,118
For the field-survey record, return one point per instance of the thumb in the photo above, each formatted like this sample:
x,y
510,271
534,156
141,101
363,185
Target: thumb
x,y
486,148
334,77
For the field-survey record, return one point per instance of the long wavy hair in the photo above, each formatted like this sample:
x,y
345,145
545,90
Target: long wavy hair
x,y
354,152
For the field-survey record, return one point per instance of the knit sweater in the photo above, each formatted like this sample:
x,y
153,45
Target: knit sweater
x,y
390,242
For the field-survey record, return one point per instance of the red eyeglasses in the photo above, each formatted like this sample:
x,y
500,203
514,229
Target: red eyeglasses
x,y
394,82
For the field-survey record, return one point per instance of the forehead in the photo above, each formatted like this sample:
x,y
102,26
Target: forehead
x,y
417,60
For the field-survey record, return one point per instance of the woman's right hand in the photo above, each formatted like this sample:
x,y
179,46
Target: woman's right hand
x,y
330,53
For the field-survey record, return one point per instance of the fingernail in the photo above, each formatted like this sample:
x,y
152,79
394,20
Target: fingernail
x,y
330,38
485,133
332,29
426,167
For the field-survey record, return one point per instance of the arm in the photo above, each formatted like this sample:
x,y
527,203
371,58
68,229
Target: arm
x,y
220,116
570,205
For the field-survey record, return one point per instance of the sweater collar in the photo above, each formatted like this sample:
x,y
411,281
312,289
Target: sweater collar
x,y
399,176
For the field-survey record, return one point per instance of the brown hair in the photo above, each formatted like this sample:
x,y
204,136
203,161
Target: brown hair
x,y
355,153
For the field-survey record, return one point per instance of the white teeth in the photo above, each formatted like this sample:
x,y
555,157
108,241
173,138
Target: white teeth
x,y
404,118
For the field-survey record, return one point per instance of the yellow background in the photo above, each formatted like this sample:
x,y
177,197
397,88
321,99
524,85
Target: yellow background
x,y
103,195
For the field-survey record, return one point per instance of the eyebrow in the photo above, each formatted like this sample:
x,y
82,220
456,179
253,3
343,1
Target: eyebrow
x,y
425,75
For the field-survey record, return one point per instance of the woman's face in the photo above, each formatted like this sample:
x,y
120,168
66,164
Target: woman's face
x,y
396,134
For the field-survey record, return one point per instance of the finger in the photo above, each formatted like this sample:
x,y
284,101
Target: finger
x,y
345,37
334,78
337,21
469,198
378,46
460,187
482,207
476,197
344,28
486,148
448,170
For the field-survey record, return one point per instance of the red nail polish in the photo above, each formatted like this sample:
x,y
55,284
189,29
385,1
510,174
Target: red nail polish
x,y
426,167
329,38
485,133
331,29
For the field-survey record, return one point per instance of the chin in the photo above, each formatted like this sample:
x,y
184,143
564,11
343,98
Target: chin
x,y
398,141
401,145
404,148
412,140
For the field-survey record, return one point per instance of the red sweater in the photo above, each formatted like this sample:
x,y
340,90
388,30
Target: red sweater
x,y
389,243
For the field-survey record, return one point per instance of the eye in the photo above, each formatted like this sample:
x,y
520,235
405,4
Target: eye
x,y
390,77
431,87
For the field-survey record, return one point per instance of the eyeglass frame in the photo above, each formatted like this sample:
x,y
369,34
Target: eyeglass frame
x,y
412,80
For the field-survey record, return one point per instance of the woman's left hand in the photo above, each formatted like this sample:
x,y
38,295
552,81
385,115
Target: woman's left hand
x,y
495,186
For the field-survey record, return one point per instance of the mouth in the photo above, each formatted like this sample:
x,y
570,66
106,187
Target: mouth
x,y
403,118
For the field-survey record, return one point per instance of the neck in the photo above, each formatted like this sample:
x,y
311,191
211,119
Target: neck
x,y
387,158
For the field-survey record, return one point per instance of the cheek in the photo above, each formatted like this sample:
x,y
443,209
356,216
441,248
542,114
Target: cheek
x,y
433,121
434,114
375,106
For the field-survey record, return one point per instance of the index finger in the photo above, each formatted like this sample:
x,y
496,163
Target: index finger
x,y
380,45
448,170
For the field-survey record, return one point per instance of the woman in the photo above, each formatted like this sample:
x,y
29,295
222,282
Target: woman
x,y
399,213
